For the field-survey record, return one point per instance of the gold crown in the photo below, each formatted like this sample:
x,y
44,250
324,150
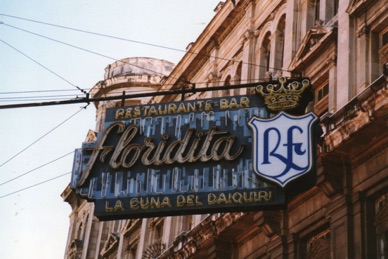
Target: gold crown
x,y
282,96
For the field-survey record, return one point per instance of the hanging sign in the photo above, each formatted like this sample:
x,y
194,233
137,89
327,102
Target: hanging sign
x,y
199,156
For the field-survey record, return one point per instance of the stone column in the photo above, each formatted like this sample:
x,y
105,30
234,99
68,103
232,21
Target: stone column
x,y
247,73
291,33
332,84
362,58
144,234
345,54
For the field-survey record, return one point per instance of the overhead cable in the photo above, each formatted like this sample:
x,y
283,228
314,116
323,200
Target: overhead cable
x,y
36,62
94,33
183,91
37,184
34,96
39,167
80,48
33,143
41,91
138,42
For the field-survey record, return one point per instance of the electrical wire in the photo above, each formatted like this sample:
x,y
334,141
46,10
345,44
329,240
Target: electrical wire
x,y
34,185
34,100
138,42
42,91
93,52
41,65
33,143
122,96
33,96
118,91
39,167
95,33
80,48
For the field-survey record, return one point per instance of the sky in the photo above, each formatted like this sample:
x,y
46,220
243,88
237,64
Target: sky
x,y
40,60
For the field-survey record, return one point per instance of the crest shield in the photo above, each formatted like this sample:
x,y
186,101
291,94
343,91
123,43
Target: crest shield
x,y
282,146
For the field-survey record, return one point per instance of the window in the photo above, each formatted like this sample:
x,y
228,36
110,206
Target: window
x,y
226,83
265,56
321,104
237,78
322,92
381,222
280,43
383,50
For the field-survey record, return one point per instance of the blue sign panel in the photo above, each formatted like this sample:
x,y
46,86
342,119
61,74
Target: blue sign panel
x,y
281,154
175,158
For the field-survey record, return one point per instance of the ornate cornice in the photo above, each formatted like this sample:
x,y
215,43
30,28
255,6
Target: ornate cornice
x,y
368,108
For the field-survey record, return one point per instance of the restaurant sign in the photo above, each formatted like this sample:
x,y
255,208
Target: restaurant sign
x,y
199,156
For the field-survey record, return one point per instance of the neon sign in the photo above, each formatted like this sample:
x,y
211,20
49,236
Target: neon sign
x,y
199,156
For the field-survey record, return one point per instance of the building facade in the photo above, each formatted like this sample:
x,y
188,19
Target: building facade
x,y
342,46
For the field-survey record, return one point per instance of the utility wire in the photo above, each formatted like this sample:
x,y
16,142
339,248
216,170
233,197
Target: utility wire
x,y
181,91
35,100
40,91
95,33
118,92
80,48
34,96
37,184
36,62
24,149
138,42
17,177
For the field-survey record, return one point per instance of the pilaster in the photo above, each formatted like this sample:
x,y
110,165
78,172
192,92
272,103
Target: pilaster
x,y
291,38
345,71
362,58
144,237
332,104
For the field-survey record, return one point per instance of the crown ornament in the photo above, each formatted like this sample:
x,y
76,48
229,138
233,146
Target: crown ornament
x,y
283,96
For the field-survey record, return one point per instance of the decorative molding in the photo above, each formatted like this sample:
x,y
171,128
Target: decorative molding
x,y
363,31
313,44
369,106
75,249
111,244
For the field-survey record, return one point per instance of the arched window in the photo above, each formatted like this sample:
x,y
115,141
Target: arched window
x,y
267,48
80,232
227,80
237,78
265,56
227,83
279,41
